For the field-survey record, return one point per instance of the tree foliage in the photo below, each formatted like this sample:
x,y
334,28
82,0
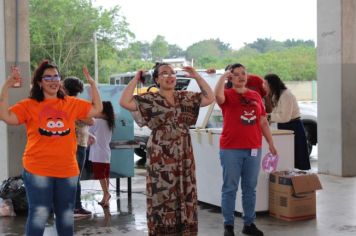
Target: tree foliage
x,y
175,51
159,48
296,63
265,45
207,48
62,31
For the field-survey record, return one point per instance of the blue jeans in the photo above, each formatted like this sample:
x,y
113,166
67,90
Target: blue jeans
x,y
81,155
238,163
47,193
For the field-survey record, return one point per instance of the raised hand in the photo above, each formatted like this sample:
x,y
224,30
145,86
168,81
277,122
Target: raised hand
x,y
88,77
227,75
139,77
14,78
210,71
192,73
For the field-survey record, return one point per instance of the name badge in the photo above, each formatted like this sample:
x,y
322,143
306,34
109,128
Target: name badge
x,y
254,152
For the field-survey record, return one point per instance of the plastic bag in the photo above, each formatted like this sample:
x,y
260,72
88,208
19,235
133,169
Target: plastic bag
x,y
270,162
13,188
6,207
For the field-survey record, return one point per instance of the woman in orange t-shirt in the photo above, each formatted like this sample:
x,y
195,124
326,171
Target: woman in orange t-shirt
x,y
50,167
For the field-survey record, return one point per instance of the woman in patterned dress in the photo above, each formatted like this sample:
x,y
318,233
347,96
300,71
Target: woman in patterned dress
x,y
171,183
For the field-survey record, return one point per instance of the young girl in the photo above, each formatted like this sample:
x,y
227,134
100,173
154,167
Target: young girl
x,y
100,152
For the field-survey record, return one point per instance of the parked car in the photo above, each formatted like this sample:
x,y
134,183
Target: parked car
x,y
124,78
308,113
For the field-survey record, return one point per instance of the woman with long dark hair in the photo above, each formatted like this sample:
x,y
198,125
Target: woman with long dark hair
x,y
50,166
287,116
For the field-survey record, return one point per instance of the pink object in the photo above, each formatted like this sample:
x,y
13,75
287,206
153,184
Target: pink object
x,y
269,162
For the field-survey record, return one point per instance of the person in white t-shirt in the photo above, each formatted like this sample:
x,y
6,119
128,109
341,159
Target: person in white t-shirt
x,y
100,152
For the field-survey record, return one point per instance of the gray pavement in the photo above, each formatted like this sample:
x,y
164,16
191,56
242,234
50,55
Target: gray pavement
x,y
336,213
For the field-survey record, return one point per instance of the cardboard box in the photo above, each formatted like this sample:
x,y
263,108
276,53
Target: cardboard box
x,y
292,195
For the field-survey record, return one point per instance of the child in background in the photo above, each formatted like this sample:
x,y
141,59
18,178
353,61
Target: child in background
x,y
100,152
73,86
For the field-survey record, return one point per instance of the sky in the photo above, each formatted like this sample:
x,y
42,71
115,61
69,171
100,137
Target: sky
x,y
184,22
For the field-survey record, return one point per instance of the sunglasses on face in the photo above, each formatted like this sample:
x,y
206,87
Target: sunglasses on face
x,y
48,78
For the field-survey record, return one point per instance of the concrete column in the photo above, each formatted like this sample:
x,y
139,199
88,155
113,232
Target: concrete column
x,y
337,87
14,50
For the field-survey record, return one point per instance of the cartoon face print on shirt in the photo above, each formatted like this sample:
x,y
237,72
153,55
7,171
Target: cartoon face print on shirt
x,y
249,111
53,123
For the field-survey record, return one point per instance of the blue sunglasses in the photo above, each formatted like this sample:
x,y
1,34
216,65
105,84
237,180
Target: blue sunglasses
x,y
49,78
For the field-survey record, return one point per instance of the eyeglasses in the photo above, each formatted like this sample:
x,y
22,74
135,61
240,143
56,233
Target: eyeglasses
x,y
237,75
167,75
48,78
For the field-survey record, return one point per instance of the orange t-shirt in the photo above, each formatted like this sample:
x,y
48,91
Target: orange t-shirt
x,y
51,142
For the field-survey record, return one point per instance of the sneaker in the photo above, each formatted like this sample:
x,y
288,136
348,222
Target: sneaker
x,y
229,230
252,230
81,212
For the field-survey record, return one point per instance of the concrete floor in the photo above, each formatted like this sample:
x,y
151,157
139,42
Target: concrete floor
x,y
336,213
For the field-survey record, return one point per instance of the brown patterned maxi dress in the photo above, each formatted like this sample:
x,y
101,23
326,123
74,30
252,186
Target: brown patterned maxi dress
x,y
171,183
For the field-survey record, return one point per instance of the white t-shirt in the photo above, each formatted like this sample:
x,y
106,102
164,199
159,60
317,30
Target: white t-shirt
x,y
100,150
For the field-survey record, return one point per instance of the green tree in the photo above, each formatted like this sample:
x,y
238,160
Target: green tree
x,y
296,63
175,51
207,48
126,65
295,43
159,48
265,45
137,50
62,31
